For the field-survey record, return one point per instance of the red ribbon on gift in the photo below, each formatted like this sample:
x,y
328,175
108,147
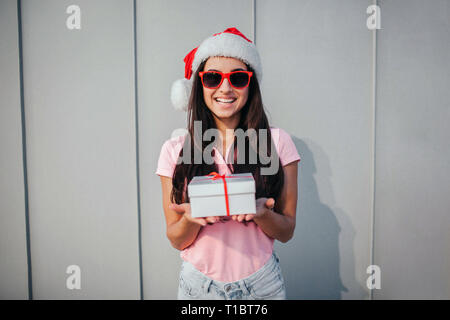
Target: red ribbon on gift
x,y
216,176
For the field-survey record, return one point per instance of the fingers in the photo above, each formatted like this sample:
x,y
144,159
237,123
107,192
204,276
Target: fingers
x,y
249,217
182,208
242,217
237,217
270,203
212,219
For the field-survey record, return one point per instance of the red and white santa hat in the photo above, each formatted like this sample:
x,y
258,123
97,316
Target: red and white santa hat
x,y
229,43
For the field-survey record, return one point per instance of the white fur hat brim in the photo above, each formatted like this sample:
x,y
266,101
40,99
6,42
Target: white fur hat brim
x,y
229,45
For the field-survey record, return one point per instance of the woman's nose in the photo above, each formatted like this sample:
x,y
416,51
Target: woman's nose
x,y
225,86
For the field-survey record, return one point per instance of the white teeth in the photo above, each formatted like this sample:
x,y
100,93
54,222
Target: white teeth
x,y
225,100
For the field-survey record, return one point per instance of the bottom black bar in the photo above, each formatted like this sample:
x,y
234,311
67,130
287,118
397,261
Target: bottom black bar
x,y
263,310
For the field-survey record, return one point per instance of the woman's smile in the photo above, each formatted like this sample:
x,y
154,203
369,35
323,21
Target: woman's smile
x,y
225,102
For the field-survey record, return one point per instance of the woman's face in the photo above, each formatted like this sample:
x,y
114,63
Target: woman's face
x,y
225,110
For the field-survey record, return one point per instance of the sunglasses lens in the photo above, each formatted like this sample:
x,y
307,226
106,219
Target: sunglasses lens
x,y
211,79
239,79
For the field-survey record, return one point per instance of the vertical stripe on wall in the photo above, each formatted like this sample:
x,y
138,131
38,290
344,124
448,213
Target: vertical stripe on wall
x,y
141,286
373,105
24,152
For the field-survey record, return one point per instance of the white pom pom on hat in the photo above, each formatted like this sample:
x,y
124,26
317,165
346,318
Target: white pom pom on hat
x,y
180,94
229,43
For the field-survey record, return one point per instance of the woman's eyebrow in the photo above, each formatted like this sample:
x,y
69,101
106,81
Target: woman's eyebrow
x,y
238,69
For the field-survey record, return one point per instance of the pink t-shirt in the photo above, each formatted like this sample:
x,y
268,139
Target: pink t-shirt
x,y
231,250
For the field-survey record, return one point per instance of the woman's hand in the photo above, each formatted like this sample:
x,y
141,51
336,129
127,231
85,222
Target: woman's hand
x,y
185,209
262,205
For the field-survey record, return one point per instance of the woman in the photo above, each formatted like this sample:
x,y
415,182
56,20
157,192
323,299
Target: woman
x,y
228,258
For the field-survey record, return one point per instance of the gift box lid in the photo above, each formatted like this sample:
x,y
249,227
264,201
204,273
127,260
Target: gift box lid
x,y
207,186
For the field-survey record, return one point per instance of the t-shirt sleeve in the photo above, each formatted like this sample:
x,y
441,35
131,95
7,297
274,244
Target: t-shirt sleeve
x,y
286,148
168,157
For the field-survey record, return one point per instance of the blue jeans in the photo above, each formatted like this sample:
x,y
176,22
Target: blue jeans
x,y
266,283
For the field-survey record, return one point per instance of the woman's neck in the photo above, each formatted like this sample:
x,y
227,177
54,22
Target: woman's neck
x,y
226,128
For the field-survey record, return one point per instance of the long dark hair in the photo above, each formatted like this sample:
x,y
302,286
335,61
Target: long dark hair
x,y
252,117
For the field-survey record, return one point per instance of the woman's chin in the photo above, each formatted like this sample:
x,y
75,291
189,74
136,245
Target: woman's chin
x,y
225,106
225,115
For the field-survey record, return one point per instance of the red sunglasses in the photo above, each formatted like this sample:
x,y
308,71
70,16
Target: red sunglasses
x,y
214,79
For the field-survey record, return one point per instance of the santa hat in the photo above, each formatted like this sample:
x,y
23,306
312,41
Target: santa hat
x,y
229,43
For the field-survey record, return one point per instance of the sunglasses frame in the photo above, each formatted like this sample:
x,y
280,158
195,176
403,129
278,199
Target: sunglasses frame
x,y
226,76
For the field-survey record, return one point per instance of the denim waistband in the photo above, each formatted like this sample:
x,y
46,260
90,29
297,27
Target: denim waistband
x,y
244,283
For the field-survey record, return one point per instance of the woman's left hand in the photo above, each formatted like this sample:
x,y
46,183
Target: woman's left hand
x,y
262,204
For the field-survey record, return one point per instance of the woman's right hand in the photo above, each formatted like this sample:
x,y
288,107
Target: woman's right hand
x,y
185,209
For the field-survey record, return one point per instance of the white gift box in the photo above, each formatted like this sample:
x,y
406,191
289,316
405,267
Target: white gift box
x,y
207,195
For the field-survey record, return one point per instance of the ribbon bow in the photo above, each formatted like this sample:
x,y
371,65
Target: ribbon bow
x,y
215,176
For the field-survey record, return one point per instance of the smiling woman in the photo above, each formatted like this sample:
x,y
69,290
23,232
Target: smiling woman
x,y
228,257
